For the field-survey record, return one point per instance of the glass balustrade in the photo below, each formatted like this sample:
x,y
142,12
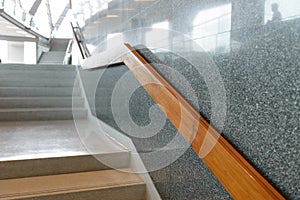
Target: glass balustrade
x,y
84,11
19,10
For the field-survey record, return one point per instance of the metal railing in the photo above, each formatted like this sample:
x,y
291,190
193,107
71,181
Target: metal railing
x,y
79,39
68,55
13,11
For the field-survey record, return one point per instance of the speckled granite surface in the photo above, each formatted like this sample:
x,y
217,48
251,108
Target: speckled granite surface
x,y
262,123
260,73
262,88
185,179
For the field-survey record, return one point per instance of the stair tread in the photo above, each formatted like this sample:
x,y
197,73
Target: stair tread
x,y
37,109
66,183
29,71
42,97
41,102
34,87
52,67
38,91
48,139
22,79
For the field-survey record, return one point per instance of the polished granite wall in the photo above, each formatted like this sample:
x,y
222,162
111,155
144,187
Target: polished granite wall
x,y
186,177
260,73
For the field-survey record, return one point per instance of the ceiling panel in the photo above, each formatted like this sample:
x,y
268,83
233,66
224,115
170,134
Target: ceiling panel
x,y
9,29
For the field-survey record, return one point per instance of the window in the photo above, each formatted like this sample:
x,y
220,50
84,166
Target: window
x,y
161,25
211,29
159,35
289,9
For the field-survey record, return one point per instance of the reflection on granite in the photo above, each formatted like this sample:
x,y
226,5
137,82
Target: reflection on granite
x,y
188,177
263,115
261,77
262,86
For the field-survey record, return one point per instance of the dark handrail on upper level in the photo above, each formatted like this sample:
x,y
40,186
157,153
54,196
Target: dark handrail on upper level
x,y
236,174
9,18
79,39
68,54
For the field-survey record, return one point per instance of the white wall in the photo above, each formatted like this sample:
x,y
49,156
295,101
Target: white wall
x,y
3,51
15,52
29,53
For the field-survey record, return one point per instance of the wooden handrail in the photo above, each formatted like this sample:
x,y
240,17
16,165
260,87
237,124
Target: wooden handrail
x,y
237,176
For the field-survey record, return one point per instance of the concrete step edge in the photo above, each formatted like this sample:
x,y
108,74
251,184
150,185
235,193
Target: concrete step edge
x,y
41,102
67,183
20,167
54,67
42,98
39,109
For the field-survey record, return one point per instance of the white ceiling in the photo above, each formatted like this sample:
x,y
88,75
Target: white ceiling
x,y
9,29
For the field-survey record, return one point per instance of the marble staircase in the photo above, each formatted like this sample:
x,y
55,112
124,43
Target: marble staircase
x,y
52,57
56,54
42,154
39,92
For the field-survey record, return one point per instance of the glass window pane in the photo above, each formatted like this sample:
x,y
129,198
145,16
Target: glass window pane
x,y
207,43
288,10
212,28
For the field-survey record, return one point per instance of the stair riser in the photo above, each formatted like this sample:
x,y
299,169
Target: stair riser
x,y
54,58
51,63
62,165
36,74
130,192
59,44
59,68
38,92
41,115
37,83
40,103
60,53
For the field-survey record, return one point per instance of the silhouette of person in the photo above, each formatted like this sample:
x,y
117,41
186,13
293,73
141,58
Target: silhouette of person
x,y
276,14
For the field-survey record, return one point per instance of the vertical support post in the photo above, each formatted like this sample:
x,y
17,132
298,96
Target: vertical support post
x,y
49,15
34,7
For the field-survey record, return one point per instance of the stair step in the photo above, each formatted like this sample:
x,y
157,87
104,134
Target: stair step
x,y
40,102
39,74
105,184
30,114
51,62
52,57
38,148
22,168
57,67
59,44
54,52
37,91
31,82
